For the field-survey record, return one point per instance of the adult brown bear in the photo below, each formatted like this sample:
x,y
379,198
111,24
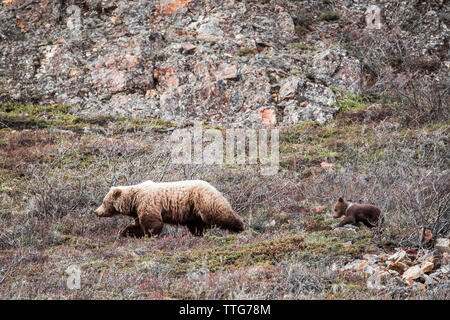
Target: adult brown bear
x,y
193,203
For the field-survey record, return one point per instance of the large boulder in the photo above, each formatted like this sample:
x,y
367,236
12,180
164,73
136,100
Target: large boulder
x,y
335,68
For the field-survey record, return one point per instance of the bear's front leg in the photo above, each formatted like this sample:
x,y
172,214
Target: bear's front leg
x,y
150,225
347,220
132,231
197,228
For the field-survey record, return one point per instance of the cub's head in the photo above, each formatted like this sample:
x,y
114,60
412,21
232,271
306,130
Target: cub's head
x,y
113,203
339,208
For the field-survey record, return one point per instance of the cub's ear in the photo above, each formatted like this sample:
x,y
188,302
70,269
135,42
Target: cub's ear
x,y
116,193
341,200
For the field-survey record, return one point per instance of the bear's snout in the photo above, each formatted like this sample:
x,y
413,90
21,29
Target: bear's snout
x,y
99,211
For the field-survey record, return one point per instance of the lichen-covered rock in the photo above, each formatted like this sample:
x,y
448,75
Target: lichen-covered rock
x,y
427,266
412,274
230,62
335,68
443,245
375,280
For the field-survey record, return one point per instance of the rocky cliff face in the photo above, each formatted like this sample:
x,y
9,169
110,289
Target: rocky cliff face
x,y
227,61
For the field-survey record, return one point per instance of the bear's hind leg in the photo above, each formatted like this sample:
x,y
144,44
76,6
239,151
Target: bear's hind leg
x,y
368,224
150,226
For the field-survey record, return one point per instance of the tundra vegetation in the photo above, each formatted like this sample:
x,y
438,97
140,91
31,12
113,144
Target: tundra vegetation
x,y
55,170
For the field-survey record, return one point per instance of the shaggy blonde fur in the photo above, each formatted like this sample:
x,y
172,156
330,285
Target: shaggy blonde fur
x,y
194,203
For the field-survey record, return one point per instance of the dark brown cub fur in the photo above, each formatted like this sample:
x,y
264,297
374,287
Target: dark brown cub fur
x,y
356,212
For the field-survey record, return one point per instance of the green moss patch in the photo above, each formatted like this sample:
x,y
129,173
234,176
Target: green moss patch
x,y
235,257
329,16
18,116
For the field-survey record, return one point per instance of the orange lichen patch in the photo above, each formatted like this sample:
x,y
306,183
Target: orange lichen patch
x,y
60,40
326,165
268,116
182,32
174,5
9,2
73,72
167,78
226,71
172,82
131,61
318,209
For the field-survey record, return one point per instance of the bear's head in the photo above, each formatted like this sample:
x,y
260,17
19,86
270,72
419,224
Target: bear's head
x,y
117,201
339,208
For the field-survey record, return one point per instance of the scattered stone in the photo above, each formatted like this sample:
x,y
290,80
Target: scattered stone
x,y
399,266
442,245
335,288
424,255
445,269
327,166
427,266
418,286
210,29
398,269
384,257
370,270
226,71
374,281
291,87
372,258
268,116
357,265
373,17
61,131
445,258
393,272
412,274
436,277
346,228
429,280
271,223
398,256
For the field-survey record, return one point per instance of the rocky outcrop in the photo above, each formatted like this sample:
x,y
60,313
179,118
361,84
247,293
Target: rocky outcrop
x,y
233,62
412,268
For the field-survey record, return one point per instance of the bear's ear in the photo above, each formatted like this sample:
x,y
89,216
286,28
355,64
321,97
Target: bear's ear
x,y
116,193
341,200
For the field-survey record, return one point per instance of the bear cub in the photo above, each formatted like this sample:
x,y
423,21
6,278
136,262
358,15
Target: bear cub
x,y
357,212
